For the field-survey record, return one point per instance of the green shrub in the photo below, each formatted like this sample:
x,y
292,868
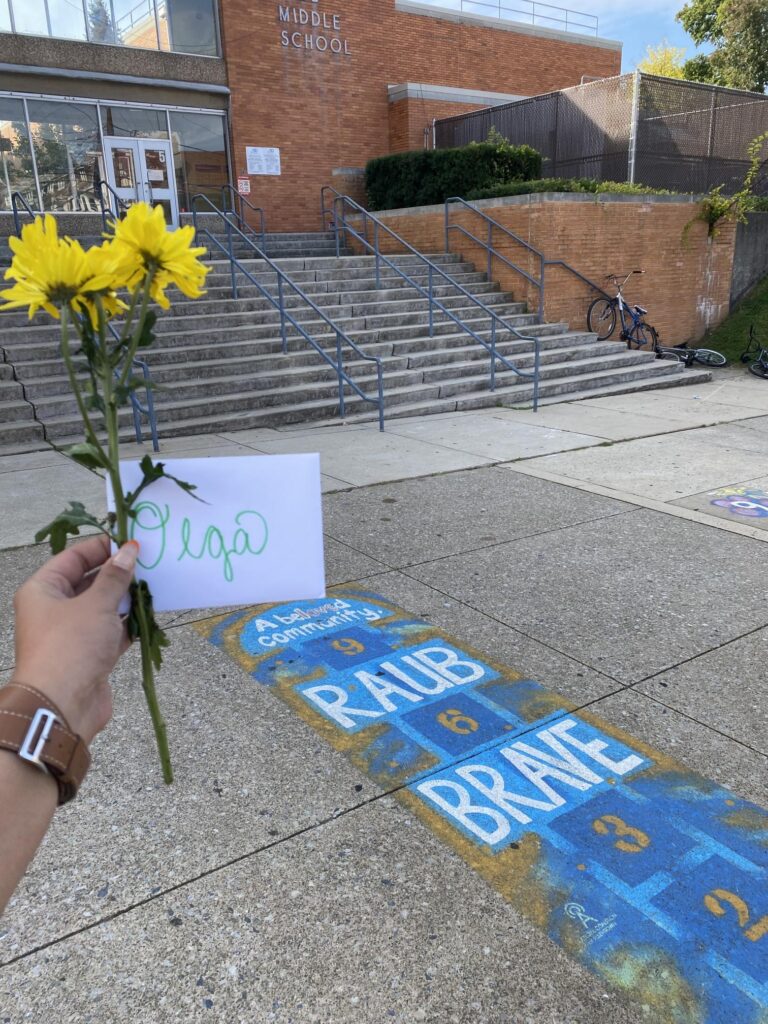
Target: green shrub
x,y
428,176
521,188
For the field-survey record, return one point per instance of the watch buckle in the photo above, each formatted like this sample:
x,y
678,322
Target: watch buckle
x,y
37,737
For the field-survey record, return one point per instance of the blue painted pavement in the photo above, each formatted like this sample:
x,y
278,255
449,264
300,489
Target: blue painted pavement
x,y
652,876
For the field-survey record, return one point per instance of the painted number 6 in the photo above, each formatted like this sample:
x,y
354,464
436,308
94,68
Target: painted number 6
x,y
714,900
347,646
609,824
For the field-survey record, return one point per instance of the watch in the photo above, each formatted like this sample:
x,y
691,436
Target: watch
x,y
32,726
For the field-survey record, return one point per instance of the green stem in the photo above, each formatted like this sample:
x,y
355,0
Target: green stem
x,y
129,318
138,598
134,343
148,684
90,433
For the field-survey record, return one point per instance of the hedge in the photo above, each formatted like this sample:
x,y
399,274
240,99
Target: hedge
x,y
427,176
521,188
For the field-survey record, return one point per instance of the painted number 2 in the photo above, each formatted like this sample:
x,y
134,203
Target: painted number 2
x,y
714,901
628,839
347,646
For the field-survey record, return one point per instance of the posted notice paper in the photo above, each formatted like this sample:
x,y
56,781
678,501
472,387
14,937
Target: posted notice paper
x,y
255,536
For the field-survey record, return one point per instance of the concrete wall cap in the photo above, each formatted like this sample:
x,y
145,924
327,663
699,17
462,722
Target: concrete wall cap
x,y
537,198
447,94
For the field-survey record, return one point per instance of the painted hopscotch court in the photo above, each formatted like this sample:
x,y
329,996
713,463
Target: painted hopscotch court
x,y
652,876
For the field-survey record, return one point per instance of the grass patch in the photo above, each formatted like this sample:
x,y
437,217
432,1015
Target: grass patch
x,y
731,336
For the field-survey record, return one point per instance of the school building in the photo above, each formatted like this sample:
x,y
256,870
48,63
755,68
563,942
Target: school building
x,y
165,99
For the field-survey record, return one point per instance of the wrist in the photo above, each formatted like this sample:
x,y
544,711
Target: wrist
x,y
63,695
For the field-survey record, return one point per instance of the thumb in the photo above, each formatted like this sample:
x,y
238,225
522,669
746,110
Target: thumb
x,y
114,578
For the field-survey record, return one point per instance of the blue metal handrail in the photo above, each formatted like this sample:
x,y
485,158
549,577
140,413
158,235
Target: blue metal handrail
x,y
342,226
243,224
120,205
495,254
283,281
17,199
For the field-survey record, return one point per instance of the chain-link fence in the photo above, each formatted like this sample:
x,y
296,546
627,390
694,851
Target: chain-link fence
x,y
682,136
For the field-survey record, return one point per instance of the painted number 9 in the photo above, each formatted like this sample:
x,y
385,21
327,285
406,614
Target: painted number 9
x,y
629,840
347,646
714,901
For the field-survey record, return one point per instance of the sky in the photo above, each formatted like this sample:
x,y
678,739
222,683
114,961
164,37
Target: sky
x,y
636,24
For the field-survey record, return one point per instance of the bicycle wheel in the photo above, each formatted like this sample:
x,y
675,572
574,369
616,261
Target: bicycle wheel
x,y
645,336
601,318
708,357
759,369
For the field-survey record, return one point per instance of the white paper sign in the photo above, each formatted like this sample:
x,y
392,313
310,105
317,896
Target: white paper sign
x,y
262,160
259,537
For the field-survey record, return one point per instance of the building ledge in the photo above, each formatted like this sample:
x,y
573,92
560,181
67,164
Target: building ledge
x,y
447,94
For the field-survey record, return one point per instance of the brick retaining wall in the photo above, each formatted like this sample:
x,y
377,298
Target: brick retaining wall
x,y
686,285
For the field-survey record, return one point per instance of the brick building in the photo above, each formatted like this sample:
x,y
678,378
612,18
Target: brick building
x,y
167,98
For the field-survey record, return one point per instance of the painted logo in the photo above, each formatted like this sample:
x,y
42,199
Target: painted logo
x,y
742,501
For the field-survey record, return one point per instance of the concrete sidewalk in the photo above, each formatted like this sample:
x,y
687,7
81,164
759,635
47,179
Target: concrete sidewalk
x,y
273,881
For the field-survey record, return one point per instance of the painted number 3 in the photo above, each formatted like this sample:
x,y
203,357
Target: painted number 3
x,y
628,839
714,901
347,646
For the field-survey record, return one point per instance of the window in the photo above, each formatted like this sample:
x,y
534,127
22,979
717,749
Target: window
x,y
134,122
67,148
199,156
67,19
185,26
18,173
192,26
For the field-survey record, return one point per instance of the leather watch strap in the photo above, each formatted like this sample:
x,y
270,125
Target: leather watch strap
x,y
33,727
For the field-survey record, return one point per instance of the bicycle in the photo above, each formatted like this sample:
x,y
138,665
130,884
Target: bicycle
x,y
755,349
688,356
601,316
601,320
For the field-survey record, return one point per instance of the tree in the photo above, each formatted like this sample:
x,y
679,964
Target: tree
x,y
738,31
101,28
663,60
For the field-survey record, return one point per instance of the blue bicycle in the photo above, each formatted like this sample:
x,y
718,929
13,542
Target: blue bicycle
x,y
604,312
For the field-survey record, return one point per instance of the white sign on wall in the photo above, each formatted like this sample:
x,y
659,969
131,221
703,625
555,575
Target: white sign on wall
x,y
262,160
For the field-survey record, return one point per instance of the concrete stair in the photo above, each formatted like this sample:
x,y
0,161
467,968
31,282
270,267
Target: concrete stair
x,y
219,362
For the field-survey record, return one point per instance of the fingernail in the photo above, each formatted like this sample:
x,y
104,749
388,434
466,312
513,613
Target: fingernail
x,y
127,555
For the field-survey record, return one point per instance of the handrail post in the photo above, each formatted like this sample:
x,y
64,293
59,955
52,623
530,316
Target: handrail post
x,y
231,255
542,270
281,303
446,209
380,377
376,252
431,314
536,362
335,223
490,248
340,372
493,354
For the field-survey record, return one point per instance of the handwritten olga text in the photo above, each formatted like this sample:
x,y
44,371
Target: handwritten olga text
x,y
153,528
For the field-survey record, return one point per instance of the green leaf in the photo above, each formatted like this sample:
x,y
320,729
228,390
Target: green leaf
x,y
156,638
87,455
153,471
147,330
68,523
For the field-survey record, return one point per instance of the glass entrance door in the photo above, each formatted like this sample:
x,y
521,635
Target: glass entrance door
x,y
141,170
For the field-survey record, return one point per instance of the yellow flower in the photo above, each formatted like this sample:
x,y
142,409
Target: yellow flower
x,y
169,256
52,273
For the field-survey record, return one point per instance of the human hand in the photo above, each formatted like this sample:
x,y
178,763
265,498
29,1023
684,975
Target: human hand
x,y
69,634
